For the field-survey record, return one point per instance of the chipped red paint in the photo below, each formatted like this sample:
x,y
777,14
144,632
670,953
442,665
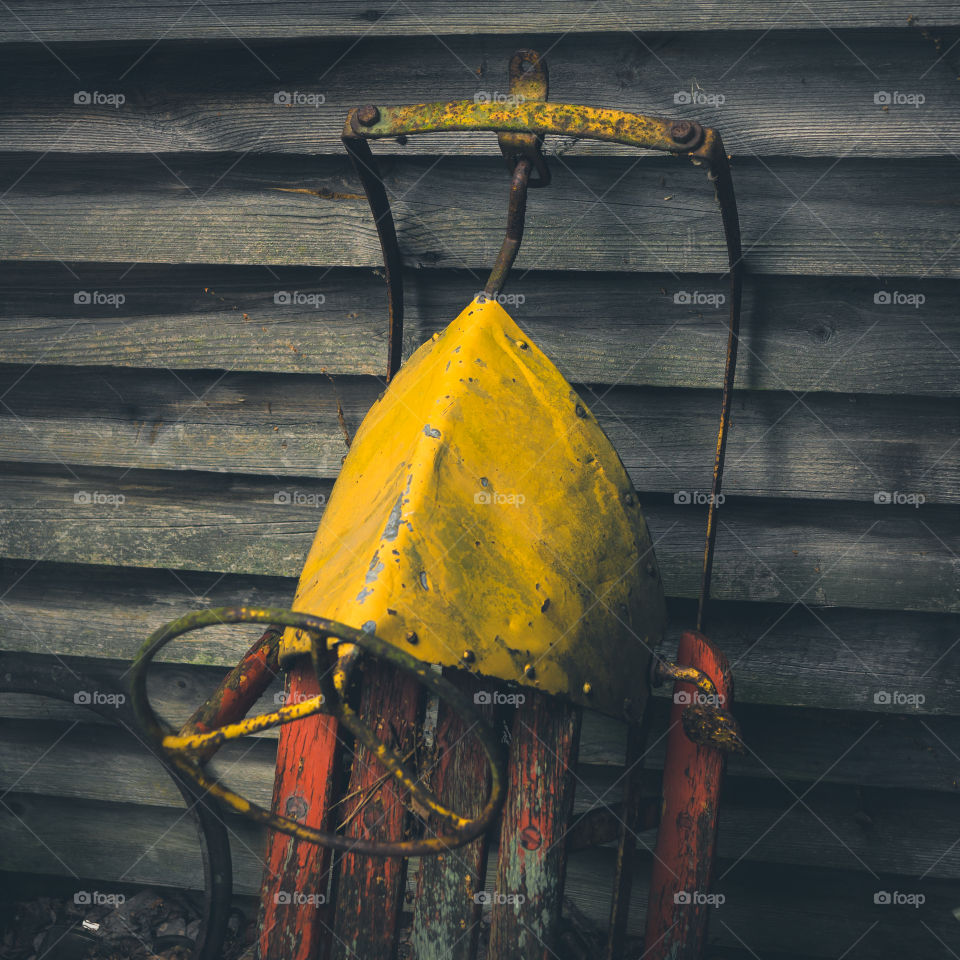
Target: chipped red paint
x,y
240,689
303,788
370,889
683,860
536,819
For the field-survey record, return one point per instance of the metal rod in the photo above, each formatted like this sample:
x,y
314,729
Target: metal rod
x,y
723,182
516,216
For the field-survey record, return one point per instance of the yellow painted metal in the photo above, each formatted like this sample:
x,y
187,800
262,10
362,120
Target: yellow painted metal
x,y
483,520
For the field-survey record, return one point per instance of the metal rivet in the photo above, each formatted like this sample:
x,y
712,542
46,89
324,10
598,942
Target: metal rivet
x,y
587,689
580,412
683,131
628,499
521,344
530,837
412,637
529,671
369,115
467,656
296,807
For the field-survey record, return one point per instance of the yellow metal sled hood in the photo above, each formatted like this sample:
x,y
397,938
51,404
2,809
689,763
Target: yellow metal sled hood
x,y
483,520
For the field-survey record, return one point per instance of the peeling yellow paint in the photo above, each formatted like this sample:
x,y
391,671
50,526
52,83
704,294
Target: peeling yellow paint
x,y
484,507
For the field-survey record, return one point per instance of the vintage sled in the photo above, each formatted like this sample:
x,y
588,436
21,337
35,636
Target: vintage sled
x,y
483,544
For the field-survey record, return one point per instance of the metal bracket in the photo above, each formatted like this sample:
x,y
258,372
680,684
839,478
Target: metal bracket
x,y
705,723
529,81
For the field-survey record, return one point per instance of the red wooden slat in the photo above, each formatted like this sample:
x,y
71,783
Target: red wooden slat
x,y
683,859
536,817
369,892
293,923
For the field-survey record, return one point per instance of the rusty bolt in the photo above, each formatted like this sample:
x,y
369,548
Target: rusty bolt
x,y
297,807
530,837
683,131
367,116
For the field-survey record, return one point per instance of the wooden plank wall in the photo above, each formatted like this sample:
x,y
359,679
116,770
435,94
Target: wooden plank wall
x,y
145,351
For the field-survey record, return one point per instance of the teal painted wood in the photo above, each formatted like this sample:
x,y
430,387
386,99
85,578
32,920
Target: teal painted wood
x,y
448,904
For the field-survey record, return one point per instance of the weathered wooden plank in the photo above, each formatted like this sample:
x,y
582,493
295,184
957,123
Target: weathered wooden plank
x,y
852,217
833,659
175,691
291,925
776,658
819,912
275,545
852,826
101,761
807,334
97,843
882,749
817,554
290,427
370,890
803,95
905,752
93,612
446,912
532,855
29,21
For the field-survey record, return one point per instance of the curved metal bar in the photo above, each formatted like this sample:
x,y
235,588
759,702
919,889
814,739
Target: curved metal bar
x,y
701,144
29,675
181,750
516,215
532,116
369,173
719,166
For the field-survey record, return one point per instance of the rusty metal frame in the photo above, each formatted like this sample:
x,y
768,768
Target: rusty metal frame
x,y
188,751
703,145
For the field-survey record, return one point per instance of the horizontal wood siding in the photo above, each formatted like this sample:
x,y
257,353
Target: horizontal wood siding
x,y
192,324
